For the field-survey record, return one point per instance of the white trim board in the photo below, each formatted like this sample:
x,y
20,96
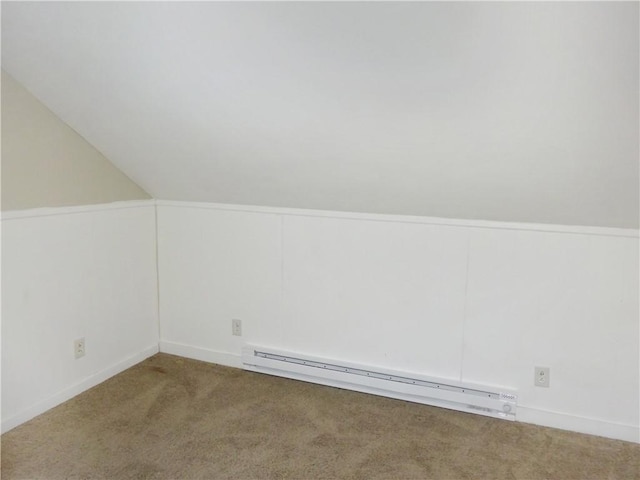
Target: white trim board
x,y
49,211
572,423
78,388
451,222
203,354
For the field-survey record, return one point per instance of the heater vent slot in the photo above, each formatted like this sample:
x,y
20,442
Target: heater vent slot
x,y
490,401
378,375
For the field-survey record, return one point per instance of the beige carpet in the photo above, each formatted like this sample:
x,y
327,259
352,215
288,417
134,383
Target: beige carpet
x,y
174,418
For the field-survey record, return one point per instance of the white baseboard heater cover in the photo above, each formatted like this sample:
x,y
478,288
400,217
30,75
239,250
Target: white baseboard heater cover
x,y
484,400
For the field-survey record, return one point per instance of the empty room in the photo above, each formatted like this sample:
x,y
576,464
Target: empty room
x,y
332,240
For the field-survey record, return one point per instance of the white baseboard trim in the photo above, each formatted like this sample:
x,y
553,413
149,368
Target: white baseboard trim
x,y
591,426
204,354
562,421
72,391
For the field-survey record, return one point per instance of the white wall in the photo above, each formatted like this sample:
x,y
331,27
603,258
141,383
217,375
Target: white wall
x,y
512,111
45,163
480,302
69,273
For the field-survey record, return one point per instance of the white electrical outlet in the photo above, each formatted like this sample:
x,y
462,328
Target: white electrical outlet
x,y
79,347
236,327
541,377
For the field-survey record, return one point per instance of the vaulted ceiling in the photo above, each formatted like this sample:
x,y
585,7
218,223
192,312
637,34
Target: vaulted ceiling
x,y
508,111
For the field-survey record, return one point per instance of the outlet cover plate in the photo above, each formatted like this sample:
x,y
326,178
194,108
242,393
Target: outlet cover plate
x,y
79,347
236,327
541,378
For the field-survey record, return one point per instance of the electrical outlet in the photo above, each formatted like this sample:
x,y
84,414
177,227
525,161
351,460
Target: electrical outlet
x,y
236,327
541,377
79,347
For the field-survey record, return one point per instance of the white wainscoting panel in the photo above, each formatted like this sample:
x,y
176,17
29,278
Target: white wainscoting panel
x,y
479,302
216,266
565,301
377,293
69,273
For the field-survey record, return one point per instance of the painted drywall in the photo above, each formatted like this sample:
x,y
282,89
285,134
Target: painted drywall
x,y
515,111
476,302
45,163
69,273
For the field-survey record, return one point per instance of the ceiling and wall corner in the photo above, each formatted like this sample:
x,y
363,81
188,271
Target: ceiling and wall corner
x,y
47,164
523,112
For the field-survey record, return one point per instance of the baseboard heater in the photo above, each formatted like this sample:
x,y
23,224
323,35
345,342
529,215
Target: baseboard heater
x,y
483,400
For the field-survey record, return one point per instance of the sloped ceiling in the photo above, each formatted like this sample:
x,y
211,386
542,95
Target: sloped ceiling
x,y
508,111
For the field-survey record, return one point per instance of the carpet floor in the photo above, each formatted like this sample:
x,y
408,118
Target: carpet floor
x,y
174,418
